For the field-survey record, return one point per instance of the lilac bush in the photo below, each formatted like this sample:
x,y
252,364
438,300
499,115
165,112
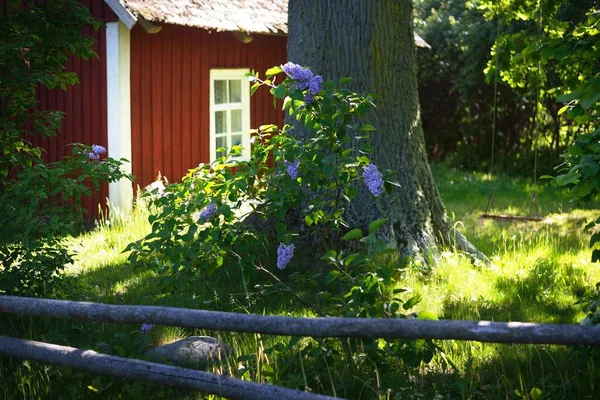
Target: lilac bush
x,y
332,162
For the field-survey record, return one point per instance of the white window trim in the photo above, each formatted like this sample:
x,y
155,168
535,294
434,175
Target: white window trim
x,y
230,74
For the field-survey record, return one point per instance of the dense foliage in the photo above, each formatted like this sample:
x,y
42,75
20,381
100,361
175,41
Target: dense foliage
x,y
39,201
481,44
291,192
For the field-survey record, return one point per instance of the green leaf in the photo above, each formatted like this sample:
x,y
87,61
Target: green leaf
x,y
353,234
373,226
535,394
281,228
308,220
596,255
273,71
280,91
367,128
330,255
563,180
287,102
427,316
331,277
581,189
594,239
413,301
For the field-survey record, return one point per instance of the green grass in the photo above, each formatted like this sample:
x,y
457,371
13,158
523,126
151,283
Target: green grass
x,y
539,271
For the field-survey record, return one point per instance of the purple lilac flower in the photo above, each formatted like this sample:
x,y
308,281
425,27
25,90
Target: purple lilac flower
x,y
93,156
208,211
98,149
373,179
302,76
285,252
292,168
145,328
316,84
309,98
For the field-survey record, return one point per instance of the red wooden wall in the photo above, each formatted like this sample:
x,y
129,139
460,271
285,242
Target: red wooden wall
x,y
84,104
170,94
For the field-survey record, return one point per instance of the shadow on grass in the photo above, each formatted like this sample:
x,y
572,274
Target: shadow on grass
x,y
558,372
227,289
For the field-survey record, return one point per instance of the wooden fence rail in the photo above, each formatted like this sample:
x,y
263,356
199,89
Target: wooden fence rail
x,y
149,372
482,331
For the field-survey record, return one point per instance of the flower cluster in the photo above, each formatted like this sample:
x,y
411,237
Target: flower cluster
x,y
292,168
207,212
97,150
304,80
285,252
373,179
316,84
145,328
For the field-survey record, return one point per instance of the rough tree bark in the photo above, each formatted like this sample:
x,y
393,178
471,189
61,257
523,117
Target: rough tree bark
x,y
372,41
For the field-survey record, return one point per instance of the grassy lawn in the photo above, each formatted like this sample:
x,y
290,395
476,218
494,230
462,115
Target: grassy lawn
x,y
539,271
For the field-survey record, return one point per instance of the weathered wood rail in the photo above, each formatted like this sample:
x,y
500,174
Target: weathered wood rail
x,y
148,372
481,331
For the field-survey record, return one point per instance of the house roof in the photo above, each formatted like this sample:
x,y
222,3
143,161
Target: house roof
x,y
250,16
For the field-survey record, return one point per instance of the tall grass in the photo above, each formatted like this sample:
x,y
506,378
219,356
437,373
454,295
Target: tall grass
x,y
539,271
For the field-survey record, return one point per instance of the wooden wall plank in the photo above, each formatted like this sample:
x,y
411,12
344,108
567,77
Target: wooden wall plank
x,y
176,87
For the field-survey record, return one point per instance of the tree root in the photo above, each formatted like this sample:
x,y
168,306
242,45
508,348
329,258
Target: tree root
x,y
462,243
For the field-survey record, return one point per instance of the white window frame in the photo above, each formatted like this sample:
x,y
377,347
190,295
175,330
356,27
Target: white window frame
x,y
230,74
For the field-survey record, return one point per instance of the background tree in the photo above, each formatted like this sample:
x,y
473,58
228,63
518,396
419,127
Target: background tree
x,y
372,41
456,81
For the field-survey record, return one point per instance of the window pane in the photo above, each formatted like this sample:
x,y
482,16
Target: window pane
x,y
221,92
236,140
235,91
221,122
236,120
221,142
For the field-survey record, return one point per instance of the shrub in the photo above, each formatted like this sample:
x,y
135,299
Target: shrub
x,y
292,193
39,201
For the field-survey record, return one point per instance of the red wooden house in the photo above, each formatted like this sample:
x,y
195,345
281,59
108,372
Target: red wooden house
x,y
169,87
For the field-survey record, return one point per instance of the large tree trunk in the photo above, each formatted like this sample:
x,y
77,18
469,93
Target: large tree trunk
x,y
372,41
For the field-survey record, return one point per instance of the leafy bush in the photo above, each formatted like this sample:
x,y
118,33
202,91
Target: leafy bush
x,y
39,201
296,188
39,206
485,46
580,171
292,192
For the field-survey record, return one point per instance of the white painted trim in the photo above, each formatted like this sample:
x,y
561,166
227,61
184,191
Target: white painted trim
x,y
230,74
118,110
122,12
